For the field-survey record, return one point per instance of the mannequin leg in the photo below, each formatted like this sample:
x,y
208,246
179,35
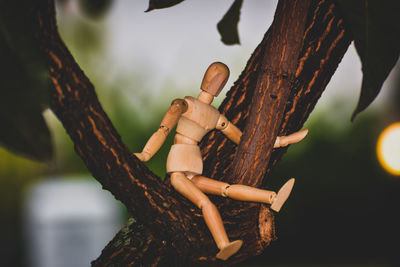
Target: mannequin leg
x,y
211,215
236,191
244,192
210,186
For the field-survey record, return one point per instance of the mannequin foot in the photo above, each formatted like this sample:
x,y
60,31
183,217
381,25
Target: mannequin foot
x,y
282,195
229,250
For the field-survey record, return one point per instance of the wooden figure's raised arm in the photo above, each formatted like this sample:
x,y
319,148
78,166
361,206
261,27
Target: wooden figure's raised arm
x,y
171,117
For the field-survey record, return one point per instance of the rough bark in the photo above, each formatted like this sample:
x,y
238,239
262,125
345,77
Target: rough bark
x,y
324,42
274,95
75,103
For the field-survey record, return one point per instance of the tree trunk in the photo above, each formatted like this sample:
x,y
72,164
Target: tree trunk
x,y
274,95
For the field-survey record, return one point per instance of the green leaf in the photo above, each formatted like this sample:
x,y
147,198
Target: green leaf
x,y
376,30
228,26
159,4
24,83
95,8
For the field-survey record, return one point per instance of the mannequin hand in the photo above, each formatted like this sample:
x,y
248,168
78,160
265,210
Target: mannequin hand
x,y
282,141
143,156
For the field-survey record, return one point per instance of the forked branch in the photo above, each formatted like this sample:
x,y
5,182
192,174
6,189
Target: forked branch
x,y
274,95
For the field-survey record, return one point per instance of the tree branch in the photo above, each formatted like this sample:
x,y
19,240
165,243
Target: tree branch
x,y
76,105
324,42
276,75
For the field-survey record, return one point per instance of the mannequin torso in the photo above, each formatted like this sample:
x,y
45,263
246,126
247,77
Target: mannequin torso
x,y
193,125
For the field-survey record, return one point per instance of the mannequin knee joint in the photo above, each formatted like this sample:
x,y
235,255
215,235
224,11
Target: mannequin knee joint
x,y
224,192
205,203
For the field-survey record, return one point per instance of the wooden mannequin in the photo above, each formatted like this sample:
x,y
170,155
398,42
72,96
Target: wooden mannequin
x,y
195,118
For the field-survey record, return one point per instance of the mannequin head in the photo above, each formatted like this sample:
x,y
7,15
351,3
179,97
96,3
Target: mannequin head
x,y
214,80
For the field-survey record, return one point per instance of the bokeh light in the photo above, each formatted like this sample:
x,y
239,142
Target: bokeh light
x,y
388,149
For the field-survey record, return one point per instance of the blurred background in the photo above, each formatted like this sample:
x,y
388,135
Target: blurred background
x,y
344,208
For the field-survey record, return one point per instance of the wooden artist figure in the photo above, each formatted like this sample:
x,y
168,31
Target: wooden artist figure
x,y
194,119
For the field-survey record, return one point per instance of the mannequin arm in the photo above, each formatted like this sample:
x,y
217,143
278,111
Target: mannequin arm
x,y
171,117
234,134
229,129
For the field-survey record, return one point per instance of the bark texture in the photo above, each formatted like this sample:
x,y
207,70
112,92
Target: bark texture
x,y
274,95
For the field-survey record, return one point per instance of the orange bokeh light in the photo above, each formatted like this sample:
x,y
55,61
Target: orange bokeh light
x,y
388,149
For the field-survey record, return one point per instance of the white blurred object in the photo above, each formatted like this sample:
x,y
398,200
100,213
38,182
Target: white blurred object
x,y
68,222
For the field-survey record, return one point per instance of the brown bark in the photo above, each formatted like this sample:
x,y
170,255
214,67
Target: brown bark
x,y
274,95
324,42
75,103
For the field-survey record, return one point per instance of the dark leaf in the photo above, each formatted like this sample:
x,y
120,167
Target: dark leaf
x,y
24,83
25,133
376,30
158,4
95,8
228,26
